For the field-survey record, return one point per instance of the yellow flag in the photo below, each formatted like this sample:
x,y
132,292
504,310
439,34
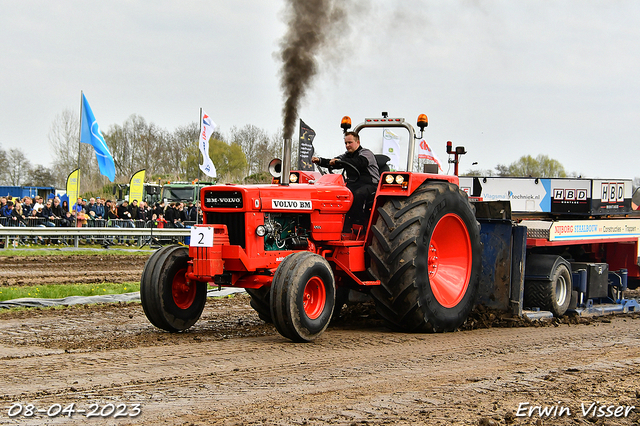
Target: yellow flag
x,y
73,186
136,186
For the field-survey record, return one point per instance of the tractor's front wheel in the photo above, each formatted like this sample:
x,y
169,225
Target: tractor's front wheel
x,y
302,296
170,301
426,252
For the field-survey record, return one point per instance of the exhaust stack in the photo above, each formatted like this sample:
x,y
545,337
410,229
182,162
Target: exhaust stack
x,y
286,162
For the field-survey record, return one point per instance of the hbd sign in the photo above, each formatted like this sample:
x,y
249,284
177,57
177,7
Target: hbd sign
x,y
612,192
567,194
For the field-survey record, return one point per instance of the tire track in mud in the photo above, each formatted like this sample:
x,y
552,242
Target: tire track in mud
x,y
65,269
346,376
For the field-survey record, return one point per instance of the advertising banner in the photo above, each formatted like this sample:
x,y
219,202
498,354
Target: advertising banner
x,y
136,186
305,147
73,186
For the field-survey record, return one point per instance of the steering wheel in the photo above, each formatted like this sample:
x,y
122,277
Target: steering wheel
x,y
344,166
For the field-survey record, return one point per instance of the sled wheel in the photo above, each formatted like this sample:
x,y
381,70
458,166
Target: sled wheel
x,y
302,296
170,301
426,252
554,295
260,302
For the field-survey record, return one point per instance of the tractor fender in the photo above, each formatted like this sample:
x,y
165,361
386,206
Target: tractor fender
x,y
540,267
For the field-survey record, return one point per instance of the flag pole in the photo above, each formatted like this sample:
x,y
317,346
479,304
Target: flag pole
x,y
200,172
79,142
79,147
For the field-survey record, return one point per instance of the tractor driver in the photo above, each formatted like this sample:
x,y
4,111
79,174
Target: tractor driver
x,y
362,187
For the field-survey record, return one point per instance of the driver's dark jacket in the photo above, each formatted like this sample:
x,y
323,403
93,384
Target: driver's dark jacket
x,y
364,160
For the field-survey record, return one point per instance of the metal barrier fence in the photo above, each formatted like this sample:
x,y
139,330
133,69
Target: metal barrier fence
x,y
33,222
101,232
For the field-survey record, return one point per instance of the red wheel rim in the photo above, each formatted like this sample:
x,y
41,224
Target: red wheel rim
x,y
449,260
183,291
314,297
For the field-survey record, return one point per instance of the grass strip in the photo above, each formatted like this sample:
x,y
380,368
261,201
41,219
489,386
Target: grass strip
x,y
60,291
67,251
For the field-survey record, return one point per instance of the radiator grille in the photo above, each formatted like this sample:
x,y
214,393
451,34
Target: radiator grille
x,y
235,225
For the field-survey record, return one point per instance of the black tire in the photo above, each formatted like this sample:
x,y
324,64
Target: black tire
x,y
260,302
300,275
163,271
554,295
148,297
416,294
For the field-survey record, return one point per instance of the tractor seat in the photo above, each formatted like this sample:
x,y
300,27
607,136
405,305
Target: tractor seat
x,y
382,161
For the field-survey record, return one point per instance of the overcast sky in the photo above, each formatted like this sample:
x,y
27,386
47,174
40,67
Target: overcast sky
x,y
503,78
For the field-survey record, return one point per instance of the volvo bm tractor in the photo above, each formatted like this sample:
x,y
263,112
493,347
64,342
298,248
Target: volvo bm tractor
x,y
417,255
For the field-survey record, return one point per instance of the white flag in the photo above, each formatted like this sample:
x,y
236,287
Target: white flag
x,y
426,153
391,148
207,126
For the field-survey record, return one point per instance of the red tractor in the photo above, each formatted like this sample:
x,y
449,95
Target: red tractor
x,y
418,257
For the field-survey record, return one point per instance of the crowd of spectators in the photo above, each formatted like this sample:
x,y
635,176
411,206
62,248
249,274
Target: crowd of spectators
x,y
95,212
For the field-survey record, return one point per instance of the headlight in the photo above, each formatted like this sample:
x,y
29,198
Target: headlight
x,y
388,179
261,231
293,178
399,179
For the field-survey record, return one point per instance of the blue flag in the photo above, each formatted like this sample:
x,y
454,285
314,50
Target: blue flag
x,y
90,133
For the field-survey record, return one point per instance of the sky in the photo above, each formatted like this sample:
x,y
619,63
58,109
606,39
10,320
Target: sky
x,y
504,79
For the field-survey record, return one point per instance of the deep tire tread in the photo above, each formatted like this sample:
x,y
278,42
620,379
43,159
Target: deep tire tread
x,y
395,244
541,294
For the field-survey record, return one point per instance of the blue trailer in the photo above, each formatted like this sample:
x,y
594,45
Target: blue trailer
x,y
27,191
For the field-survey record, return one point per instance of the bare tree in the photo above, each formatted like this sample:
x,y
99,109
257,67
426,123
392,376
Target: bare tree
x,y
274,150
136,145
64,138
253,141
17,167
3,160
40,176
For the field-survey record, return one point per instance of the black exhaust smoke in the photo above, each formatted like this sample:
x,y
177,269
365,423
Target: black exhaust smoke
x,y
312,27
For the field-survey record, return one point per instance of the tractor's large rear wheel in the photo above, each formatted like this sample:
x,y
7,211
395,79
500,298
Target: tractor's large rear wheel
x,y
303,295
426,252
169,300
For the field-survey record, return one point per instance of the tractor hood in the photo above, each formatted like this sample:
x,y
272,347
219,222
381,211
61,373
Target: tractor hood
x,y
327,195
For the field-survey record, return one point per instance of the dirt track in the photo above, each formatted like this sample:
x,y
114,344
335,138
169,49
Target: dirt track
x,y
231,368
33,270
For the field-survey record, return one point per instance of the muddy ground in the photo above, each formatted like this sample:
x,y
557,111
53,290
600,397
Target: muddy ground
x,y
233,369
68,269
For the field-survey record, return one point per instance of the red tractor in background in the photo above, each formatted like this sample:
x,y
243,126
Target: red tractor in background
x,y
418,257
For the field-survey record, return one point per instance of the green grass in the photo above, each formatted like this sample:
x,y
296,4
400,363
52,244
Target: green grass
x,y
59,291
37,251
